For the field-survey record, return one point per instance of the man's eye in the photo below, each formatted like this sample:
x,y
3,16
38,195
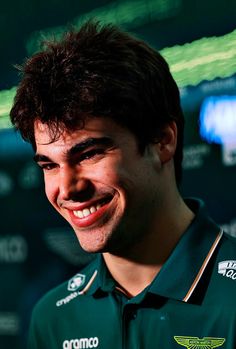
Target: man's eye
x,y
90,154
47,167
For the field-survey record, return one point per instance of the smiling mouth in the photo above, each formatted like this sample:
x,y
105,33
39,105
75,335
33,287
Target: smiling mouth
x,y
92,209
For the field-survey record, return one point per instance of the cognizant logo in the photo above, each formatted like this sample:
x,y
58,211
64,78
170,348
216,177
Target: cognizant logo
x,y
81,343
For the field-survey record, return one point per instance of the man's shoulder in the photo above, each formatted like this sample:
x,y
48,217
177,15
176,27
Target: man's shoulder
x,y
228,245
67,291
223,281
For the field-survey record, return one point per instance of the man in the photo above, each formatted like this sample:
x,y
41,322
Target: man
x,y
103,114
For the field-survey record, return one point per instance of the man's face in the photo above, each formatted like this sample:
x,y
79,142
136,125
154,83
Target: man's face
x,y
98,181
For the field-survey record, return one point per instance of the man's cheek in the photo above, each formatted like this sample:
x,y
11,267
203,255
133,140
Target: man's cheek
x,y
50,194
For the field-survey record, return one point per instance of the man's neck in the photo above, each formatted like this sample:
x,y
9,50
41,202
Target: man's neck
x,y
135,270
131,277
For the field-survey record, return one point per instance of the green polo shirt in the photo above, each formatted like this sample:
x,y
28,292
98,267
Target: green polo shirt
x,y
191,303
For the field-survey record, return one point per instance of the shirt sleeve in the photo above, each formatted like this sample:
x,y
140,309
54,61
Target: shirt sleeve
x,y
35,338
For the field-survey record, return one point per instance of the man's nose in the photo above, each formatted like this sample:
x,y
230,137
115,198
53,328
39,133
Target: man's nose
x,y
72,183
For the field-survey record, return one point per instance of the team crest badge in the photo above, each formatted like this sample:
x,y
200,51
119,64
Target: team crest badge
x,y
77,281
197,343
228,269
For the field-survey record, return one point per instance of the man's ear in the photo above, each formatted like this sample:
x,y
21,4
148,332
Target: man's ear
x,y
167,142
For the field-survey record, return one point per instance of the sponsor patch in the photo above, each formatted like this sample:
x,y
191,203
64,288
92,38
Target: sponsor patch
x,y
81,343
227,269
199,343
67,299
76,282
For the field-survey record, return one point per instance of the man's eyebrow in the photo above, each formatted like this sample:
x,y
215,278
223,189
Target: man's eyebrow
x,y
39,158
90,142
79,147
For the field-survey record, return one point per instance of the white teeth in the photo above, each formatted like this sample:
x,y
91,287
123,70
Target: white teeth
x,y
87,211
79,214
92,209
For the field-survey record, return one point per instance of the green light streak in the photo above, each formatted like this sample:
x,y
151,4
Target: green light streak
x,y
204,59
6,100
127,13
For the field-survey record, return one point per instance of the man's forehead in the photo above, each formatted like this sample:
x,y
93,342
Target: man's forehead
x,y
44,134
95,124
52,132
39,126
94,127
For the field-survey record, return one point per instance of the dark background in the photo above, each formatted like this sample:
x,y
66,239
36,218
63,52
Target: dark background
x,y
37,248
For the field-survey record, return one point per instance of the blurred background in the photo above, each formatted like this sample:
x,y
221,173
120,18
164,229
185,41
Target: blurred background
x,y
198,39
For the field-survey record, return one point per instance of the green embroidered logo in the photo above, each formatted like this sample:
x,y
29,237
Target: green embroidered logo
x,y
197,343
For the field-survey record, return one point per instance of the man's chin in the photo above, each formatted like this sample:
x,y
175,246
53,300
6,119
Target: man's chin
x,y
98,239
89,248
91,243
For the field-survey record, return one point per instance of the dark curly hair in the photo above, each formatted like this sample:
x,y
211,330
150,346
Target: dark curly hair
x,y
99,71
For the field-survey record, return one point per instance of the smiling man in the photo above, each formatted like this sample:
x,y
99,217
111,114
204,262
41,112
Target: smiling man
x,y
103,115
